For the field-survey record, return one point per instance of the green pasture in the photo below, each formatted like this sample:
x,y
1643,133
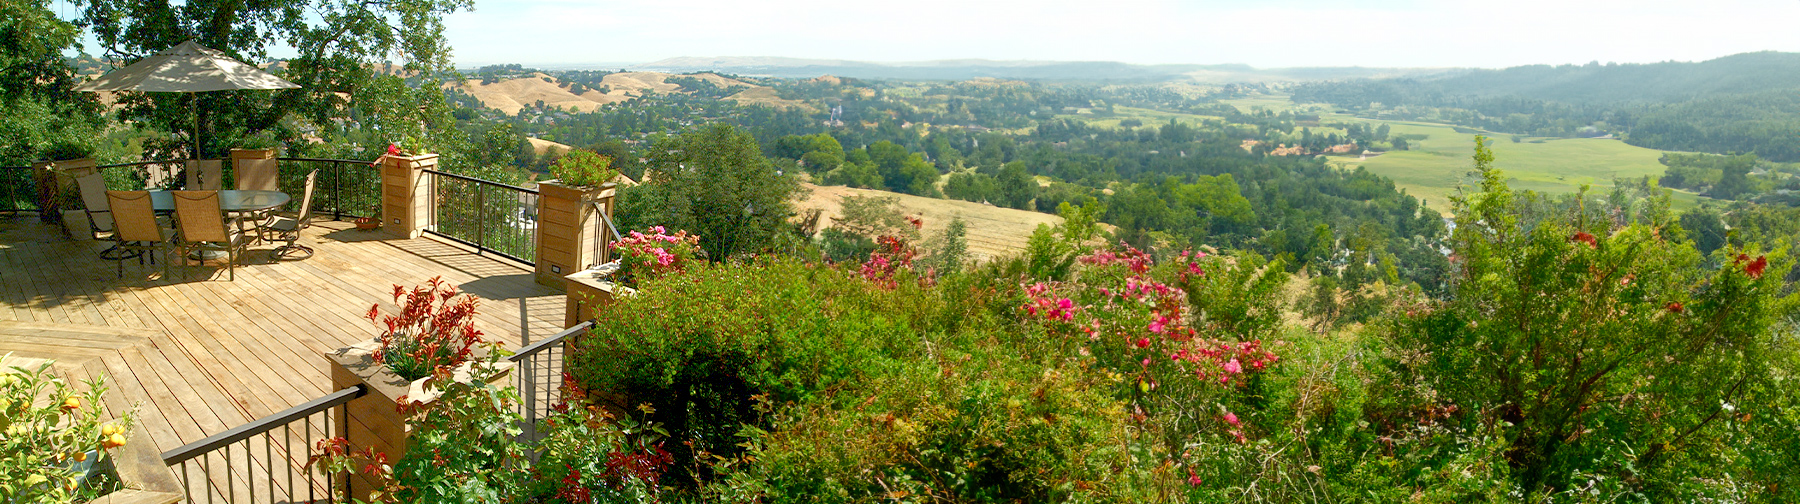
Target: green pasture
x,y
1440,162
1148,116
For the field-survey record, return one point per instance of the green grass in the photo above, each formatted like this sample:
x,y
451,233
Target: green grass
x,y
1439,163
1148,116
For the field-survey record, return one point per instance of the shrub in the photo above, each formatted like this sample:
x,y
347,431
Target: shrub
x,y
1599,353
434,329
46,430
583,168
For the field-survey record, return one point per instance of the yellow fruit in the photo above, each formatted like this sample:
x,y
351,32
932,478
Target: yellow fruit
x,y
109,429
72,403
81,456
115,441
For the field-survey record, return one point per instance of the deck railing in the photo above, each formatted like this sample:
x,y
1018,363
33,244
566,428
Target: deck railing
x,y
270,456
537,372
490,216
344,188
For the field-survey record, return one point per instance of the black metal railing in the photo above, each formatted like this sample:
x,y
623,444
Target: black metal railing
x,y
269,463
344,188
537,373
490,216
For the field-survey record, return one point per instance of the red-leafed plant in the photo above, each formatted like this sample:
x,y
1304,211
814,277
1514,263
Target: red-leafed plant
x,y
434,328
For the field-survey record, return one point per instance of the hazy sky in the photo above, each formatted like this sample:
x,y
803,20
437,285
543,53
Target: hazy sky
x,y
1277,33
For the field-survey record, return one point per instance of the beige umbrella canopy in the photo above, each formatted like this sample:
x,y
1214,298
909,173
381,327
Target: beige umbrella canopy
x,y
187,68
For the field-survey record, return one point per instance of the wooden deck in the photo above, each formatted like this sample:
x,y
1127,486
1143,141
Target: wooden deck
x,y
199,354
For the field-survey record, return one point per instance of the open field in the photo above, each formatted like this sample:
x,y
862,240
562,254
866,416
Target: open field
x,y
1148,116
1440,162
993,231
1273,103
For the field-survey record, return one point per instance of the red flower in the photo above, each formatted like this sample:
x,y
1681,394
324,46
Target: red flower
x,y
1755,268
1584,237
393,150
1674,307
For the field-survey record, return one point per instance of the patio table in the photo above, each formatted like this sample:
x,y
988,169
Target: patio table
x,y
231,201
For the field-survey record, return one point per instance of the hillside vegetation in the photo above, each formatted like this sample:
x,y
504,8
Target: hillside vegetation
x,y
1736,104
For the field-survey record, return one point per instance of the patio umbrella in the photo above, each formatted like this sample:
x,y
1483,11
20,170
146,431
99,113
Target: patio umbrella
x,y
187,68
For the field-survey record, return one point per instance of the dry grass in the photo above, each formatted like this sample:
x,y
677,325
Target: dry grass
x,y
993,231
540,146
512,95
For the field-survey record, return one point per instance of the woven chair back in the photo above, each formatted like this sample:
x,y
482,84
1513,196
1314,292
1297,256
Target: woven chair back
x,y
306,197
200,218
135,216
93,196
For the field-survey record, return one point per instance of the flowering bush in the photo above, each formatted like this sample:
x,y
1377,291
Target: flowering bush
x,y
891,255
47,430
463,447
646,256
592,454
433,329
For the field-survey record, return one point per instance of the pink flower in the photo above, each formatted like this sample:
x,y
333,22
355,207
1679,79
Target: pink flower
x,y
1231,418
1143,342
1234,367
1065,303
1193,479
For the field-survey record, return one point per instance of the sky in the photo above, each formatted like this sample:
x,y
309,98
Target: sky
x,y
1266,34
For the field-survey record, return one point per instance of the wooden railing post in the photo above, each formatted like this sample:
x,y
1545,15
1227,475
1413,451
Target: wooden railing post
x,y
405,196
568,235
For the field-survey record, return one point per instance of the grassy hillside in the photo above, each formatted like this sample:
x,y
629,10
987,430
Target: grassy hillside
x,y
511,95
1440,162
994,232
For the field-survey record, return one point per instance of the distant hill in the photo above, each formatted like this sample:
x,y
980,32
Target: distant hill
x,y
1743,103
964,69
511,95
1596,84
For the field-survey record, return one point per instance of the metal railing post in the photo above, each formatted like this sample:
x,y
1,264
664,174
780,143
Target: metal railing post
x,y
480,218
337,190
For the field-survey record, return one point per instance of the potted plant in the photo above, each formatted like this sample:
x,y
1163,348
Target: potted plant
x,y
432,336
61,447
62,162
579,175
372,221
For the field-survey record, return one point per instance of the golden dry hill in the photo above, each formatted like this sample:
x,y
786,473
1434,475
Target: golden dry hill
x,y
994,232
512,95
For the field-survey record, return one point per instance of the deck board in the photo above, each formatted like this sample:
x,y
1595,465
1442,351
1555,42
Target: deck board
x,y
198,354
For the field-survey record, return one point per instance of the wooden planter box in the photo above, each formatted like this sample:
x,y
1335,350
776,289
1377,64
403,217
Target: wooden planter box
x,y
374,420
566,235
54,178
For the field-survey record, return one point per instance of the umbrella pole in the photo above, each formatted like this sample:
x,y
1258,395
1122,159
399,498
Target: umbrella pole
x,y
194,106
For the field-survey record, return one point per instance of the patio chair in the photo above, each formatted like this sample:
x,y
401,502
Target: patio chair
x,y
280,228
205,175
100,221
137,228
203,228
